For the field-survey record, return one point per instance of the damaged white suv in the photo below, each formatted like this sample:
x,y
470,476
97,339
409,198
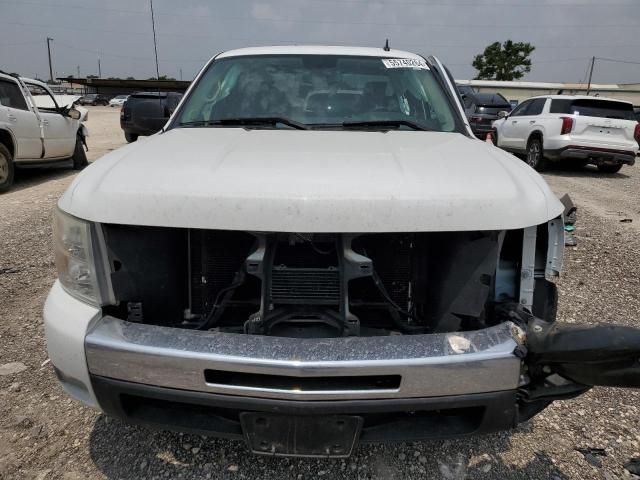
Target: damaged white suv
x,y
316,251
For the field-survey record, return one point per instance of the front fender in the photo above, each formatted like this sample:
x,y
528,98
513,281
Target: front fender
x,y
537,129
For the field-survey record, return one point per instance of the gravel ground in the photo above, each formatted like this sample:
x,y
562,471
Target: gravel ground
x,y
45,435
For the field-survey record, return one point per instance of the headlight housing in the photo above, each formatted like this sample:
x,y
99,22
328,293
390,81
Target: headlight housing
x,y
75,257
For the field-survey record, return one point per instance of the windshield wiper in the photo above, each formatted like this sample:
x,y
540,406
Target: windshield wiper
x,y
246,121
387,123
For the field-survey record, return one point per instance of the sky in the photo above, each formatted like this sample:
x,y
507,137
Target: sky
x,y
566,33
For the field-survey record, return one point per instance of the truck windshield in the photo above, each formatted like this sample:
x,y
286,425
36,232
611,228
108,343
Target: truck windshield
x,y
318,91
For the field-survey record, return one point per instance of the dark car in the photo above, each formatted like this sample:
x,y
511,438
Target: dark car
x,y
464,90
145,113
94,99
482,109
636,111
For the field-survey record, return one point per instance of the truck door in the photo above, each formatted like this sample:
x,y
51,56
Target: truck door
x,y
59,130
527,123
20,120
508,134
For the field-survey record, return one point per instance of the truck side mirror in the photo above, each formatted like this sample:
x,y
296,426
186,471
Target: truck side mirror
x,y
503,114
73,114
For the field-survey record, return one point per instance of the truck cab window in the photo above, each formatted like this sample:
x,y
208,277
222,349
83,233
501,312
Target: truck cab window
x,y
11,97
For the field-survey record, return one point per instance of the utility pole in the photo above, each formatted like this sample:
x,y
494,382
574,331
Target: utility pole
x,y
49,52
78,72
99,71
180,74
155,45
593,61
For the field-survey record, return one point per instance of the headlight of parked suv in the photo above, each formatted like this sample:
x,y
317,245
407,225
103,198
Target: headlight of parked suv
x,y
74,253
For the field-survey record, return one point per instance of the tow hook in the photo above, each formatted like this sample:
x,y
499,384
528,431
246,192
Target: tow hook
x,y
590,355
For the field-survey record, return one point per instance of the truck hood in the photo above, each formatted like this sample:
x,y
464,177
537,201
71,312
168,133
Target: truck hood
x,y
312,181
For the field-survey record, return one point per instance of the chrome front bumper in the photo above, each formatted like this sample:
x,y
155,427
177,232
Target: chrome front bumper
x,y
433,365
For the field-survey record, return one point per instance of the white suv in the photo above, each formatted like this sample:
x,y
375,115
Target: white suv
x,y
600,131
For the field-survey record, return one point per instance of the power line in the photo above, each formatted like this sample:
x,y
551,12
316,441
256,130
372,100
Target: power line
x,y
618,61
202,16
130,57
17,44
307,40
586,73
536,5
74,6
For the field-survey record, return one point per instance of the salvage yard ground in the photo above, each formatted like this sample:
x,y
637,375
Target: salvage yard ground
x,y
45,435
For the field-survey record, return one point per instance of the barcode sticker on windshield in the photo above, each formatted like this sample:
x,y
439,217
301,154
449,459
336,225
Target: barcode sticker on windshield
x,y
405,63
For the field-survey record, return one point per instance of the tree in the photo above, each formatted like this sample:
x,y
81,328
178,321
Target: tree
x,y
92,76
507,61
129,78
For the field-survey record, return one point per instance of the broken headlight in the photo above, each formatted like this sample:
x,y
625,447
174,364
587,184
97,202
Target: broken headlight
x,y
75,260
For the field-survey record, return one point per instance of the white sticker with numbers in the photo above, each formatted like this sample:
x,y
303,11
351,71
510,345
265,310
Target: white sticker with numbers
x,y
405,63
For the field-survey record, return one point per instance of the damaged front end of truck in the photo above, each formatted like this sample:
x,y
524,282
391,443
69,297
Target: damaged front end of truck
x,y
391,335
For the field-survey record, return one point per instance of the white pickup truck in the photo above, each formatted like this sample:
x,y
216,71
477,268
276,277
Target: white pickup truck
x,y
37,128
578,129
316,251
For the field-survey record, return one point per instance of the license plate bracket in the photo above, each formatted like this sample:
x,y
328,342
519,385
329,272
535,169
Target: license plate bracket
x,y
301,436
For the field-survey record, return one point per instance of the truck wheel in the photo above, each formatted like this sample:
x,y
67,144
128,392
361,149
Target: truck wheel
x,y
535,155
79,156
130,137
6,169
608,168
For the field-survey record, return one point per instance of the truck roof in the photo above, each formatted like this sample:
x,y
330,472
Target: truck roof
x,y
319,50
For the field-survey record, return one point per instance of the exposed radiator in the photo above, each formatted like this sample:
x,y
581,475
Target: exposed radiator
x,y
317,286
216,256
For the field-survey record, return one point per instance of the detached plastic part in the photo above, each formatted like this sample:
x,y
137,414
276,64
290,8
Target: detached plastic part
x,y
570,209
592,355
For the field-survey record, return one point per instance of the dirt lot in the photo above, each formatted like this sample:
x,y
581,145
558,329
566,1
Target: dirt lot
x,y
45,435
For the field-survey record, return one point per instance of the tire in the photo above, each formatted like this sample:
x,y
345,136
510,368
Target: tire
x,y
610,168
535,155
79,156
7,169
494,136
130,137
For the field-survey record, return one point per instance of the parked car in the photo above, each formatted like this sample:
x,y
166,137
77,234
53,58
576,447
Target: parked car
x,y
145,113
301,266
118,100
482,109
35,129
580,129
465,90
94,99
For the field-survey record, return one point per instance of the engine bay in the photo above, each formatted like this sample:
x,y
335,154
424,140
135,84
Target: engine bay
x,y
319,285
